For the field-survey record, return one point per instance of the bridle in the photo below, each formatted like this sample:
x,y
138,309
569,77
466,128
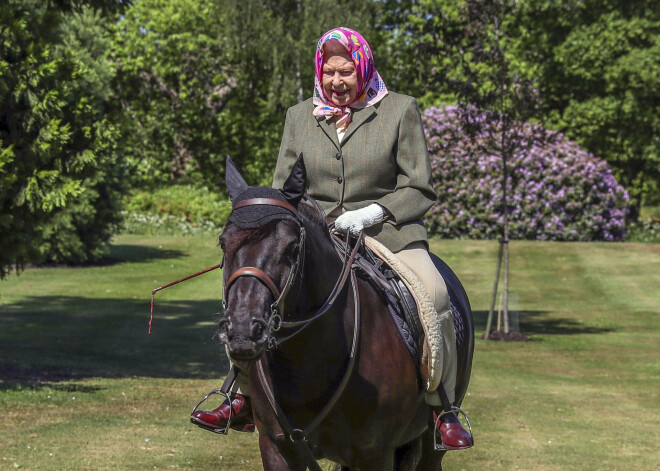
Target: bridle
x,y
276,320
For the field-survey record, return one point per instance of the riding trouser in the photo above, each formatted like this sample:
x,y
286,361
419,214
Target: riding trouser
x,y
416,257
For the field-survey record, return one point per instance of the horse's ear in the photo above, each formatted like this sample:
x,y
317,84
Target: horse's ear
x,y
235,182
294,186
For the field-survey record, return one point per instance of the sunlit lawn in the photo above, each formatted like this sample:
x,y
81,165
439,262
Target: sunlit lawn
x,y
83,386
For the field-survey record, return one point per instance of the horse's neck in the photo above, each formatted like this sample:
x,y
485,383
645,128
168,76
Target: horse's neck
x,y
315,356
321,270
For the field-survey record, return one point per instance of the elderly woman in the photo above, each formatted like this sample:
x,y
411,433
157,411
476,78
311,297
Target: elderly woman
x,y
368,168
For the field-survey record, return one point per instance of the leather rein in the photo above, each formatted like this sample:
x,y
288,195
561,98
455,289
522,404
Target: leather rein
x,y
298,436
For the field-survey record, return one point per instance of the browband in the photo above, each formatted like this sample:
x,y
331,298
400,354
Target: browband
x,y
269,202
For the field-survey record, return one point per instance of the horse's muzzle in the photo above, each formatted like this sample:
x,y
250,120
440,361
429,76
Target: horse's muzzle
x,y
245,341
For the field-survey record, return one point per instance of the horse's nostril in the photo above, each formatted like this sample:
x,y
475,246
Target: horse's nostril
x,y
256,330
224,330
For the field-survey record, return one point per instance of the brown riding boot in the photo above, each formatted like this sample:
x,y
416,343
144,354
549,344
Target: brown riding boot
x,y
241,416
452,433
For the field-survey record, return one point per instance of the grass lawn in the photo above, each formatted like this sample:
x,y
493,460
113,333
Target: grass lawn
x,y
83,386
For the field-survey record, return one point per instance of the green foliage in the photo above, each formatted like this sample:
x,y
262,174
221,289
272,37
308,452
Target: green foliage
x,y
599,66
175,210
645,231
60,179
193,204
595,64
200,80
651,212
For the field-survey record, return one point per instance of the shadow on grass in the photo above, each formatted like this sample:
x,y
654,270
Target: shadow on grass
x,y
541,323
140,253
120,254
49,339
57,338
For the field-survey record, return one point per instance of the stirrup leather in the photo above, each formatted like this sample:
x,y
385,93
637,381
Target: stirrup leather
x,y
222,431
436,432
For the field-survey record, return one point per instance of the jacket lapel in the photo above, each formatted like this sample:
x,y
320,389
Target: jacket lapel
x,y
358,119
329,129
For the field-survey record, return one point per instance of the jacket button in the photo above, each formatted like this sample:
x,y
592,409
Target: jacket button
x,y
338,155
339,180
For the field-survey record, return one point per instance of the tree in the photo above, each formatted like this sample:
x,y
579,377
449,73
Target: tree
x,y
599,70
596,65
200,80
59,176
468,50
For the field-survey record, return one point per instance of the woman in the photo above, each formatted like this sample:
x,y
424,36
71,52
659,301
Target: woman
x,y
368,168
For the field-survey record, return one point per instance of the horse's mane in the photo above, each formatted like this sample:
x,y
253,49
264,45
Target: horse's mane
x,y
311,210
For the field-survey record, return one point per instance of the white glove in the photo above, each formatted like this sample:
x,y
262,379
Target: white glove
x,y
357,220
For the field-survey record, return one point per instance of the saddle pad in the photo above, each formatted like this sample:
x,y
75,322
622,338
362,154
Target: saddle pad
x,y
409,339
435,325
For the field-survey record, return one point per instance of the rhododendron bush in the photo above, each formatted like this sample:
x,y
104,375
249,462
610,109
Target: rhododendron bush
x,y
555,191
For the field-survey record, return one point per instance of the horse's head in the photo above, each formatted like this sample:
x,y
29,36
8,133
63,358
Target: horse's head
x,y
263,244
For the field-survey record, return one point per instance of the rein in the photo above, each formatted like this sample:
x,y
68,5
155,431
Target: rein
x,y
298,436
155,290
276,322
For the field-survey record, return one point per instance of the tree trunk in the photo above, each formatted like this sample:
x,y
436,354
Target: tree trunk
x,y
505,179
505,312
300,95
489,321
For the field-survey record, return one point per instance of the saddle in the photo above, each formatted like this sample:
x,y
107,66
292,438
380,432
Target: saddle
x,y
396,296
422,336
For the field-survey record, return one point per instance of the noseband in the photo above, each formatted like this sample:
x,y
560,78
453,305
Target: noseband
x,y
276,322
276,317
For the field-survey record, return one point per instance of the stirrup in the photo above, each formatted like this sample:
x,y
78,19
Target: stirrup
x,y
439,446
221,431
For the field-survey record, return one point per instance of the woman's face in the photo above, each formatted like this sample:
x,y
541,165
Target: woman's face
x,y
339,75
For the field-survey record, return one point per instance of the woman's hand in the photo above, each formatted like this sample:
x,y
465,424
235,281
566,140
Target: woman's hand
x,y
355,221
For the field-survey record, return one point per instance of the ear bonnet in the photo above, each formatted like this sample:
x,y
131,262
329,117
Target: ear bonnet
x,y
257,215
249,217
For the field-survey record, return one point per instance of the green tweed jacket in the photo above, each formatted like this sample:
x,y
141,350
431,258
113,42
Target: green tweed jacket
x,y
382,158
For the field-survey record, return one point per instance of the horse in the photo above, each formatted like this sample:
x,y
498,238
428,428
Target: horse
x,y
328,373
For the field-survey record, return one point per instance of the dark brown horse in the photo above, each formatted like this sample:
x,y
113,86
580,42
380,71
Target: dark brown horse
x,y
323,382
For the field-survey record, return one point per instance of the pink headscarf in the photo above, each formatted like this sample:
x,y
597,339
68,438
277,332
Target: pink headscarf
x,y
370,86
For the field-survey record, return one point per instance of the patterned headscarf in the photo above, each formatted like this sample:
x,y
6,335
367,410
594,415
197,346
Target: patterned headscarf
x,y
370,86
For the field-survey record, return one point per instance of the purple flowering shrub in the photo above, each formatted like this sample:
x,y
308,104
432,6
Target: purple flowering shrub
x,y
554,192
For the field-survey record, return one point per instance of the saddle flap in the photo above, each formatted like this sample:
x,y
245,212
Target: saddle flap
x,y
396,296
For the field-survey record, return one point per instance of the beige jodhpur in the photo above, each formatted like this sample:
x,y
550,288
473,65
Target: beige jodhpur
x,y
417,258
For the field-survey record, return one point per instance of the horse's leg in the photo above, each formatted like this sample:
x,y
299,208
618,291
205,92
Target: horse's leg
x,y
383,462
407,456
431,459
275,459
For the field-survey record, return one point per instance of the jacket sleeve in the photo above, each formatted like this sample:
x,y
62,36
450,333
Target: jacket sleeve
x,y
414,194
287,156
